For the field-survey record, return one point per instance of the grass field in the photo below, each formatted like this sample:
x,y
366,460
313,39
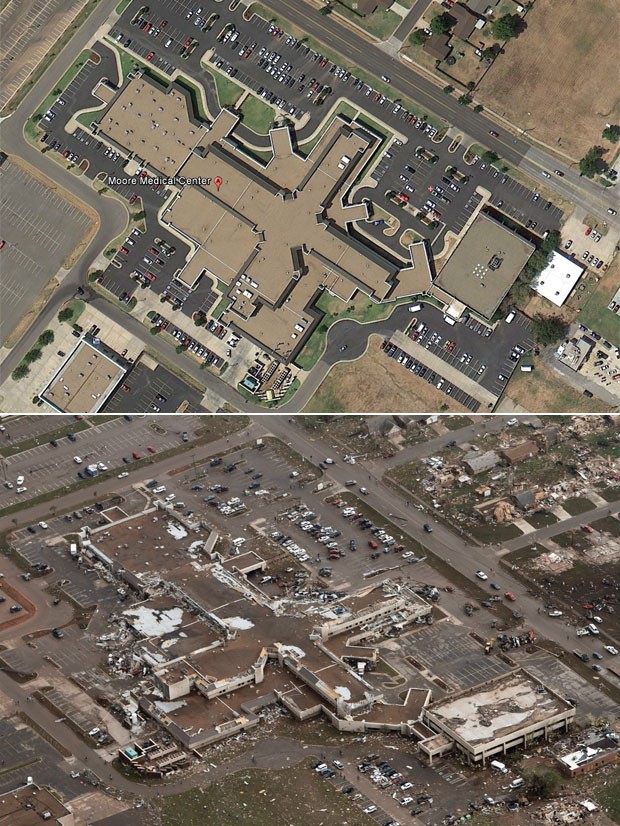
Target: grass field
x,y
595,314
261,798
544,390
257,116
376,383
380,23
545,80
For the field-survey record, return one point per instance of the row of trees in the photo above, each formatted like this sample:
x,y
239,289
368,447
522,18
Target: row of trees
x,y
34,354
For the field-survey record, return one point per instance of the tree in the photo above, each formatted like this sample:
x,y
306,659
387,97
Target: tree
x,y
418,37
490,156
66,314
612,133
33,355
465,100
471,85
20,372
46,337
326,10
592,162
542,782
479,108
448,89
510,25
552,241
549,329
491,53
442,23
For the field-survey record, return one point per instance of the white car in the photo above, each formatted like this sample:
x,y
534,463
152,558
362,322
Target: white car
x,y
43,525
170,497
369,810
555,613
122,475
94,731
20,480
408,555
23,489
77,460
101,466
481,575
610,649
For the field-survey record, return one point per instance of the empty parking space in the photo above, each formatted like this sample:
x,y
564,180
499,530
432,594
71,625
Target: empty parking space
x,y
34,218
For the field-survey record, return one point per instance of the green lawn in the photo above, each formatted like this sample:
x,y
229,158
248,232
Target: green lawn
x,y
595,315
257,116
59,87
228,92
380,23
343,108
577,505
122,6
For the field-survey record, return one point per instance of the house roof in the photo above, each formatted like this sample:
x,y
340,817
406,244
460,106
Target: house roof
x,y
465,21
438,45
524,450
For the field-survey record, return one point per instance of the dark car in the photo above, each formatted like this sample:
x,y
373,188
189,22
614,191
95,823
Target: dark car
x,y
31,529
185,437
72,437
58,633
427,528
53,443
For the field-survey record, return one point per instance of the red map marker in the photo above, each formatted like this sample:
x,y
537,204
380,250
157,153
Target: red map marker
x,y
218,182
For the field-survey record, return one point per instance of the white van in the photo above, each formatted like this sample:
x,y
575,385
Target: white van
x,y
415,308
449,320
168,43
510,316
500,767
526,368
516,784
160,489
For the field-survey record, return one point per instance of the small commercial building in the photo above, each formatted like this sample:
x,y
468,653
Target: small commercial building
x,y
86,379
557,281
30,805
587,759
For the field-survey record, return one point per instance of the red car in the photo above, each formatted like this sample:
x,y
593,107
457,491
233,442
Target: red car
x,y
2,243
151,449
150,276
124,250
510,596
150,55
188,42
136,455
373,544
587,529
588,230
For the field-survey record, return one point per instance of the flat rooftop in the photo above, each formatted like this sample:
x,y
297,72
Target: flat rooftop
x,y
508,704
153,122
39,802
485,265
84,381
557,280
150,543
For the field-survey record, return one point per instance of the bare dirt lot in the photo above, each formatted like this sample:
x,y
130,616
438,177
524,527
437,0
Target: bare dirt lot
x,y
375,383
556,79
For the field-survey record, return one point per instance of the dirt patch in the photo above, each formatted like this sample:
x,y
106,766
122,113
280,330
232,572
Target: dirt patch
x,y
560,59
375,383
544,390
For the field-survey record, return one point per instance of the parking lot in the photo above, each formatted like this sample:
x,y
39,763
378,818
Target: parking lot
x,y
46,468
154,389
34,219
429,179
483,354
